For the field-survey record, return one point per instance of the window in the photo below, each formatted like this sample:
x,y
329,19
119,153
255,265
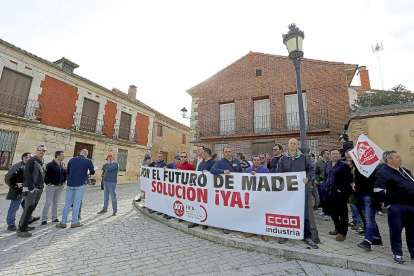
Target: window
x,y
81,146
67,68
258,72
227,114
261,116
122,159
159,130
292,111
8,140
183,139
218,149
313,144
265,147
89,115
125,126
14,93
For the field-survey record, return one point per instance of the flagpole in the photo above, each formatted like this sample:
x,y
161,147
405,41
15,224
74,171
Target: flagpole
x,y
379,65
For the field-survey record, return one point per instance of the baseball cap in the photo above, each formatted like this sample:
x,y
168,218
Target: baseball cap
x,y
345,136
177,157
109,156
147,157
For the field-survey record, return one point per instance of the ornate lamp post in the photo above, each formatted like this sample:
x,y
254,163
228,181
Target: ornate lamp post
x,y
293,41
184,112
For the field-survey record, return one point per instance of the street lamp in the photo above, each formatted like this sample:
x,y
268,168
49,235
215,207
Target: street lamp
x,y
293,41
184,112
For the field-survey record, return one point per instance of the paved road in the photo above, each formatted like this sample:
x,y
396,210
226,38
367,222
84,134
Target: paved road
x,y
132,244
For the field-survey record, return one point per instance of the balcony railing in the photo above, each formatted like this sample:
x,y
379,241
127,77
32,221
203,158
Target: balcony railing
x,y
264,125
125,133
21,107
89,124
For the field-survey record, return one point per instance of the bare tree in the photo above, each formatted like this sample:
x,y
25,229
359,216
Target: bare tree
x,y
400,88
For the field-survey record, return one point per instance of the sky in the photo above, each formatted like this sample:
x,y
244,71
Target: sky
x,y
165,47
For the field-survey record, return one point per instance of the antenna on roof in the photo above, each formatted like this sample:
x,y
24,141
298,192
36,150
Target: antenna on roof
x,y
376,49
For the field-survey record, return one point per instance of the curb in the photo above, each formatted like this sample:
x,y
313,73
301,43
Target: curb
x,y
313,256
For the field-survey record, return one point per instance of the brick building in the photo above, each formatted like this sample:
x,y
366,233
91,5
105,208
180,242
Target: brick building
x,y
47,103
252,104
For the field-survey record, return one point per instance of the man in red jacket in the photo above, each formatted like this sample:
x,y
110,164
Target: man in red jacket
x,y
185,165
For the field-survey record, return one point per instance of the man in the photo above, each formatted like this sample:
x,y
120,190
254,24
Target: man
x,y
346,145
55,178
200,153
110,181
103,175
14,179
395,186
338,179
160,161
226,165
364,191
263,159
185,165
77,175
34,176
242,161
277,154
321,184
294,161
315,194
173,165
145,156
205,166
257,168
148,161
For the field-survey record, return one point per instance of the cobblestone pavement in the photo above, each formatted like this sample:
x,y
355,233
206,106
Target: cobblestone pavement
x,y
132,244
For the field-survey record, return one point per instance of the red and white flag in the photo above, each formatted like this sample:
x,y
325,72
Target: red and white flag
x,y
366,155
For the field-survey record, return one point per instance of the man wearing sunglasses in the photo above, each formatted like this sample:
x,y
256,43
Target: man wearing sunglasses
x,y
185,165
33,183
277,154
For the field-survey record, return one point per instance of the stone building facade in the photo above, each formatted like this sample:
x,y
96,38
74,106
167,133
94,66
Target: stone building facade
x,y
46,103
252,104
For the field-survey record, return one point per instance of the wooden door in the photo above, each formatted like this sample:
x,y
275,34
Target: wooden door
x,y
81,146
265,147
125,125
89,115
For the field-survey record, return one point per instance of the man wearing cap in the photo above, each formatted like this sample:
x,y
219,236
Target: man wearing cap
x,y
347,145
148,162
110,180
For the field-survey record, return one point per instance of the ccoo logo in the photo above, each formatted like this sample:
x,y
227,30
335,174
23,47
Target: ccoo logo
x,y
277,220
366,154
178,208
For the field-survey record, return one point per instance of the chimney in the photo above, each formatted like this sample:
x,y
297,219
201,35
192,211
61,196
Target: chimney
x,y
364,76
67,65
132,92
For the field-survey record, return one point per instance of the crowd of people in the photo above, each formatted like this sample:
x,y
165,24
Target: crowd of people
x,y
28,179
337,184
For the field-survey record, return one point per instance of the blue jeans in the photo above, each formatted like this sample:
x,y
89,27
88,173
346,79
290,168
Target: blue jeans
x,y
372,231
109,189
323,193
356,218
14,206
73,195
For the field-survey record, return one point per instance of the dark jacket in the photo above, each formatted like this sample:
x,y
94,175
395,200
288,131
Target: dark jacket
x,y
206,165
273,163
161,164
34,174
364,185
152,164
347,145
297,163
320,170
15,175
224,164
77,171
394,186
55,174
338,178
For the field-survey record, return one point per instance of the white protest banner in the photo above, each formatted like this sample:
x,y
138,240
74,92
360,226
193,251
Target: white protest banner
x,y
266,204
366,155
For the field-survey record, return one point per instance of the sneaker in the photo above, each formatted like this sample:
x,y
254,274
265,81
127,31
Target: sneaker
x,y
226,231
12,228
44,222
159,213
151,211
365,245
166,216
61,225
78,224
321,213
327,218
34,219
55,220
399,259
114,214
282,240
357,228
381,214
351,224
24,234
102,212
311,243
377,242
192,225
361,233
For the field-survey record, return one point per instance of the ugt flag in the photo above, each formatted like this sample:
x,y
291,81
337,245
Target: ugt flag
x,y
366,155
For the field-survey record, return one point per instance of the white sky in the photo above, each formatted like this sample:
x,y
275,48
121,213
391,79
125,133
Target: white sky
x,y
165,47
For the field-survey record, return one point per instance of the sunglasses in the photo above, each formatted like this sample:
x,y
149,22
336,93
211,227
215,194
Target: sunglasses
x,y
262,158
183,156
42,150
275,149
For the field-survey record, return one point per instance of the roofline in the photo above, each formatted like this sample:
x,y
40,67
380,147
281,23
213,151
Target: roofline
x,y
192,89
